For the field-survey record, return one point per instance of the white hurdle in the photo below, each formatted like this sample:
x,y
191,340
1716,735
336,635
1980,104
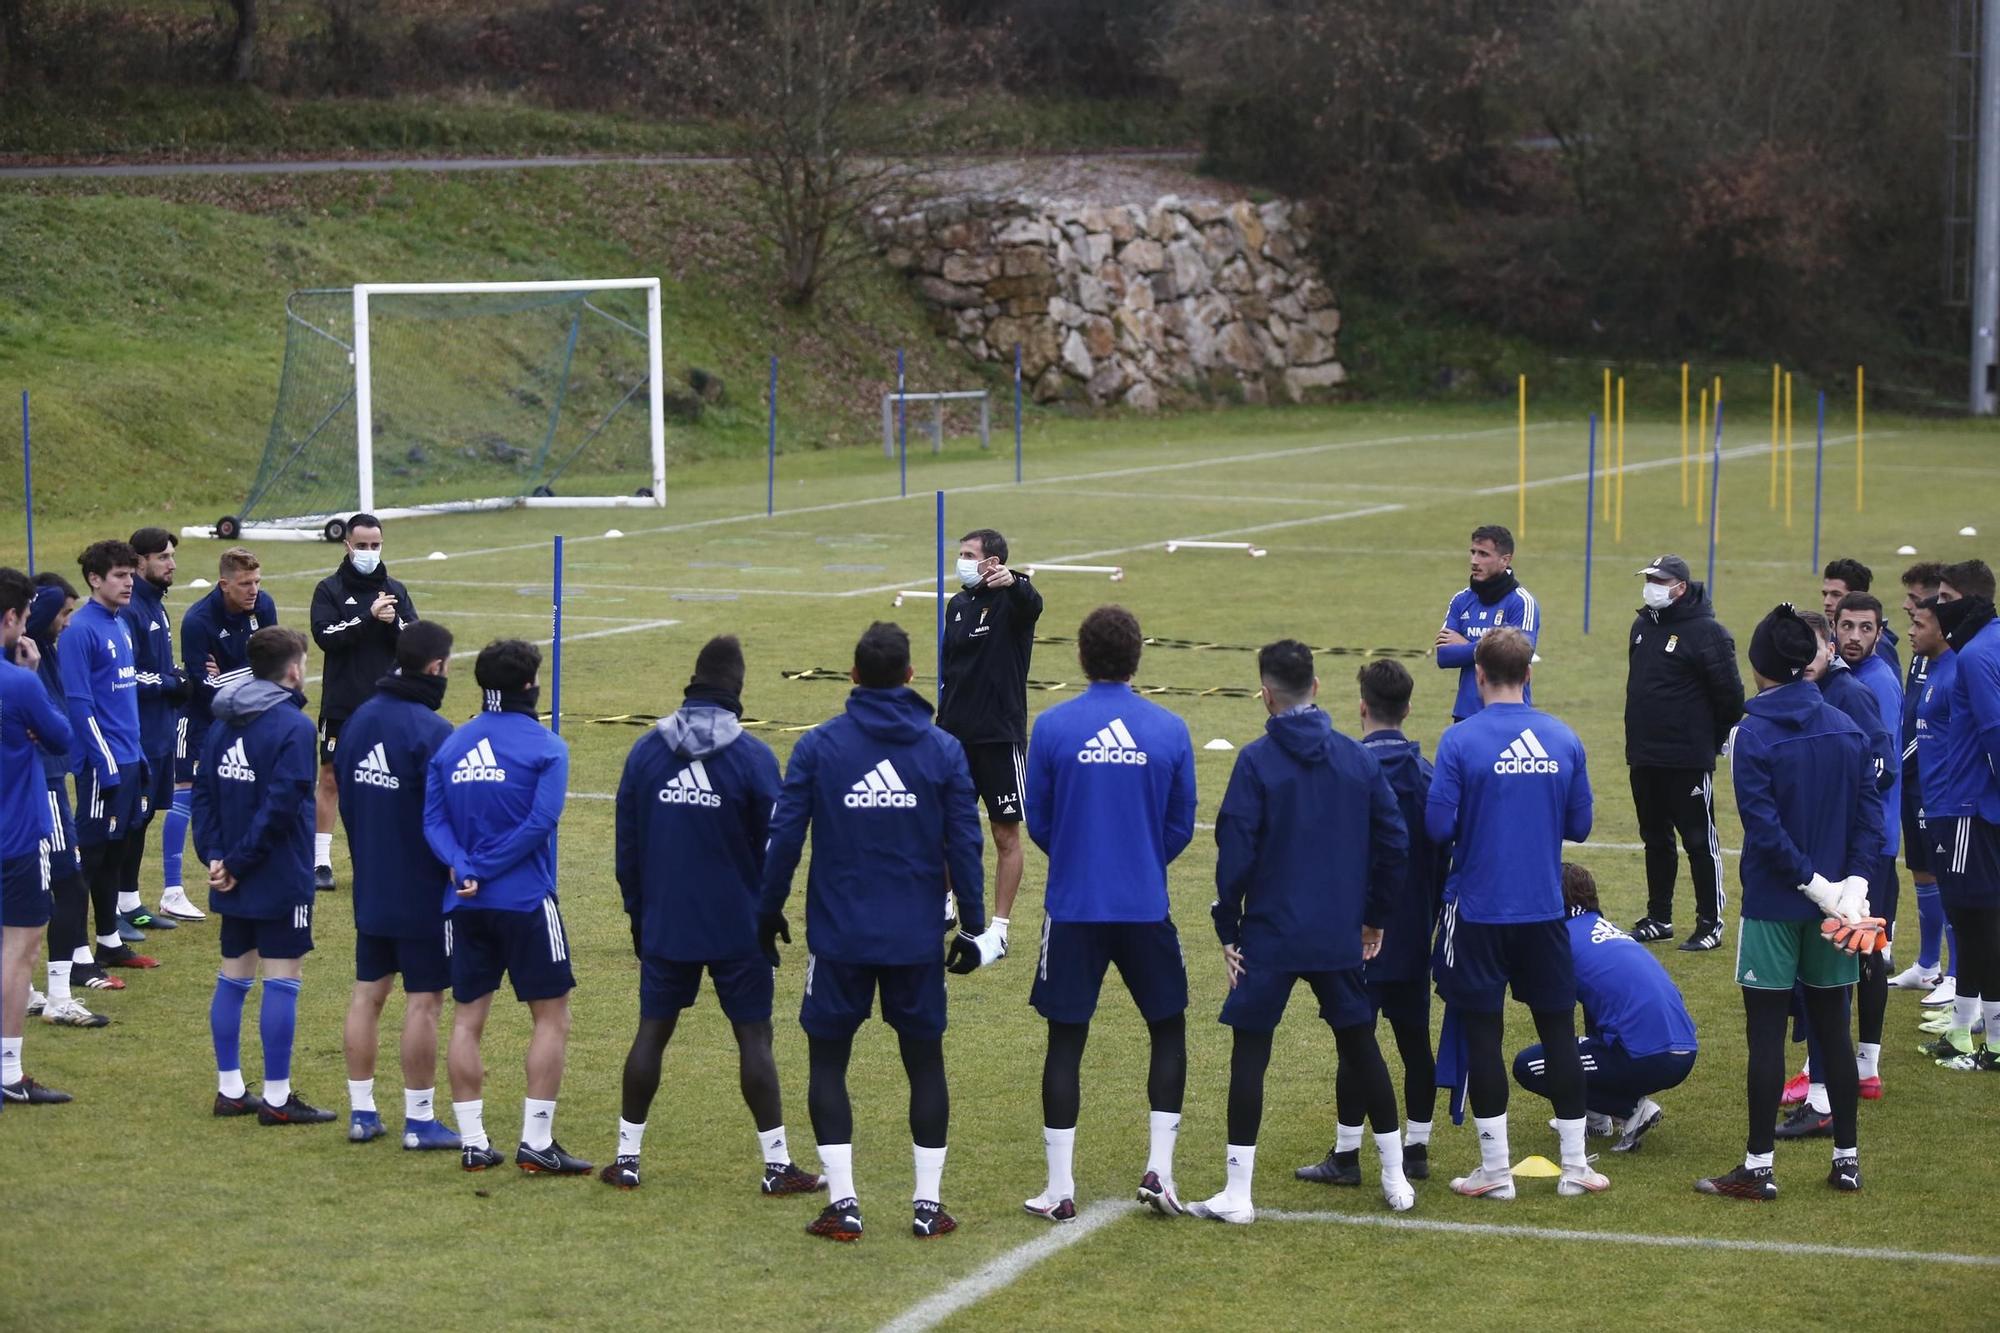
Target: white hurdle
x,y
898,599
1180,544
1116,572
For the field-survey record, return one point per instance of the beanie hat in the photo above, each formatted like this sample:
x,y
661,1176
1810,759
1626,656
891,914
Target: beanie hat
x,y
1783,645
720,664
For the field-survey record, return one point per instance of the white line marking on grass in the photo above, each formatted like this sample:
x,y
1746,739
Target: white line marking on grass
x,y
567,638
544,615
1799,1249
1002,1272
1655,464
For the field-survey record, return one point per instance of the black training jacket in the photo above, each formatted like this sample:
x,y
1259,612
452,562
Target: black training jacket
x,y
989,635
1682,689
359,649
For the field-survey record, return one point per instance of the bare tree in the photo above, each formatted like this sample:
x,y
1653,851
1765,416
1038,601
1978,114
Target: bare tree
x,y
241,62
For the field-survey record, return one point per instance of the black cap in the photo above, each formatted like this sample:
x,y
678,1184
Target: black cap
x,y
1669,567
1783,645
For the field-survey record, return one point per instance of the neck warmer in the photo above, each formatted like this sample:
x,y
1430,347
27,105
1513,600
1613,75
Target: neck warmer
x,y
511,701
1962,619
716,695
1490,591
426,690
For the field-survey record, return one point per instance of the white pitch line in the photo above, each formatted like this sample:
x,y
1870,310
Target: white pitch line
x,y
1653,465
1002,1272
567,639
1797,1249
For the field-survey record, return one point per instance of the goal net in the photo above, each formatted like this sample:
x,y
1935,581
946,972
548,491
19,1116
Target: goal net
x,y
414,398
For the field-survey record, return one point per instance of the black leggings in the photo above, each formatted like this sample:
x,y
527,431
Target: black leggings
x,y
1412,1032
832,1112
103,866
1978,950
1062,1070
1486,1062
1765,1013
69,926
756,1068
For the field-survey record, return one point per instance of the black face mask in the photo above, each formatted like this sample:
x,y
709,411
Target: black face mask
x,y
1491,591
1962,619
512,701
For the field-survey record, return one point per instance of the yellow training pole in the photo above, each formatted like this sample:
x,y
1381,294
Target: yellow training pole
x,y
1860,463
1788,449
1684,435
1521,483
1618,527
1775,386
1700,468
1606,419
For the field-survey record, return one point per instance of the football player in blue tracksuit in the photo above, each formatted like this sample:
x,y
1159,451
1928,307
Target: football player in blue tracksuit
x,y
1638,1038
1805,780
253,815
1926,972
492,799
1111,802
162,689
101,689
1399,976
1858,629
398,919
693,817
29,722
1972,880
1510,787
215,646
1310,849
1492,599
894,814
1948,768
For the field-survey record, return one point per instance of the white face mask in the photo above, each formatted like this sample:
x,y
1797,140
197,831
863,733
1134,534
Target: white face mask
x,y
1658,596
365,562
968,572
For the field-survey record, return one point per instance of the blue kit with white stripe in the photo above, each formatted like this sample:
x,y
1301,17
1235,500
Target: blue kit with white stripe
x,y
162,685
382,773
29,723
101,692
1879,677
892,808
1805,780
211,630
253,802
1977,688
492,798
1946,754
1501,604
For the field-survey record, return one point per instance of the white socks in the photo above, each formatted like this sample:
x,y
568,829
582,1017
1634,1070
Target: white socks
x,y
59,980
277,1091
1993,1022
1753,1161
110,941
1868,1059
772,1141
10,1059
229,1082
836,1160
1346,1138
1817,1099
127,902
471,1118
630,1136
81,954
322,849
1390,1149
1059,1146
1847,1154
930,1170
1571,1132
1416,1133
419,1103
361,1094
1493,1144
1964,1012
1165,1129
538,1123
1242,1163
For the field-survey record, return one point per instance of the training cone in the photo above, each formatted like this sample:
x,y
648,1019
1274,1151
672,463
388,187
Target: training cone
x,y
1906,550
1537,1165
1968,532
613,532
1218,744
437,555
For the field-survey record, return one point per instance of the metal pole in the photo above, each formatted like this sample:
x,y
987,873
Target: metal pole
x,y
1985,396
1714,500
902,432
555,646
939,543
1589,519
1017,414
1819,475
771,449
28,481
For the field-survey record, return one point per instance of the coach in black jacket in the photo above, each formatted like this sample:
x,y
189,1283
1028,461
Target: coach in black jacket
x,y
1682,696
358,613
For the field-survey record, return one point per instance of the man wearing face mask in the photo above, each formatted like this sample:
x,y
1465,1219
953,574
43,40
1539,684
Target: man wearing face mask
x,y
358,612
989,635
1682,696
1493,599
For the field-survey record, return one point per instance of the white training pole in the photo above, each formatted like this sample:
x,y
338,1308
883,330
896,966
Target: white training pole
x,y
1187,545
364,404
1117,572
656,392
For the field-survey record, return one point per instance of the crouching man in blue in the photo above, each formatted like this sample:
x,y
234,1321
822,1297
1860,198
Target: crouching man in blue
x,y
693,818
253,819
1310,848
1637,1036
892,808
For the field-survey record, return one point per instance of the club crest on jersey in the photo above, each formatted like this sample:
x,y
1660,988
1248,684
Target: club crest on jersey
x,y
479,765
690,786
1525,755
374,771
881,788
1113,744
235,764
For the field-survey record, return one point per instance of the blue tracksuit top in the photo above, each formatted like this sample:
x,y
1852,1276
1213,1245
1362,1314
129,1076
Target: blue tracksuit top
x,y
42,614
1413,906
382,768
1110,800
492,798
1885,648
1947,758
1469,616
891,806
1975,709
101,691
1509,788
29,722
1880,678
159,674
693,818
209,629
1844,690
1913,690
1309,847
253,799
1805,789
1628,998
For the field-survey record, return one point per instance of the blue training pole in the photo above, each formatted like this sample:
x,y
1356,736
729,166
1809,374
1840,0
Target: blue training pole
x,y
28,477
902,433
1017,414
555,647
1714,499
940,593
771,450
1589,520
1819,474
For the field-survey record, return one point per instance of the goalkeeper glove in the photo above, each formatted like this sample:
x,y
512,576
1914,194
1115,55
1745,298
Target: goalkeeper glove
x,y
969,953
638,951
1824,893
1853,898
772,927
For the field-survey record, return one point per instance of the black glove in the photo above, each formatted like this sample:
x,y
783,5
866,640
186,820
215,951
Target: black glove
x,y
962,955
174,686
772,927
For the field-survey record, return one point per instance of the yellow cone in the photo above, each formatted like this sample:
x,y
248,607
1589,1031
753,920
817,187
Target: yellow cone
x,y
1537,1165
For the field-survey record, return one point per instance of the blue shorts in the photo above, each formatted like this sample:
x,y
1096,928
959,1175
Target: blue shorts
x,y
188,739
1258,1000
287,936
1474,963
1965,855
420,962
1403,1001
329,738
743,985
63,860
1070,972
530,948
25,899
106,816
840,996
1916,838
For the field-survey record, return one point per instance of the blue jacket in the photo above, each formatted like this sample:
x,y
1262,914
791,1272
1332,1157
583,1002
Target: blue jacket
x,y
162,687
1913,690
1805,790
42,613
1947,757
1413,906
694,815
1469,616
1880,679
253,799
382,768
101,689
1309,847
1110,799
891,805
492,798
209,629
1845,691
1628,998
1975,709
1510,787
29,721
1885,648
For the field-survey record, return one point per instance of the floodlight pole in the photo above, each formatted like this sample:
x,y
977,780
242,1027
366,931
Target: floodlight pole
x,y
364,405
1985,395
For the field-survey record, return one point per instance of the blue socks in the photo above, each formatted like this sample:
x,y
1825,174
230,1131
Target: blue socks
x,y
173,840
276,1019
1930,925
225,1021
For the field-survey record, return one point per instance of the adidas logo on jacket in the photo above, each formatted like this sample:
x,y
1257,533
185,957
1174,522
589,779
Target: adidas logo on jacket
x,y
691,786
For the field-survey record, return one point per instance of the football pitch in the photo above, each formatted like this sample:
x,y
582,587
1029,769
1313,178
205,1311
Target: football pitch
x,y
134,1199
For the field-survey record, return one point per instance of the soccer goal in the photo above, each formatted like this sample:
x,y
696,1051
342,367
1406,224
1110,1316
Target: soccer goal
x,y
405,399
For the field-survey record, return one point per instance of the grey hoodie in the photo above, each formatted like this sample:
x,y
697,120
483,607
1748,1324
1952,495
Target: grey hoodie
x,y
697,730
239,702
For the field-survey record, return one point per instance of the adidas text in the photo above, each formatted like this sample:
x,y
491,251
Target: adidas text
x,y
682,796
479,773
1511,765
882,800
1111,756
370,778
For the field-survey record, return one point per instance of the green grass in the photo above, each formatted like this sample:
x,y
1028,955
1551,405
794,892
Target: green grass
x,y
336,1235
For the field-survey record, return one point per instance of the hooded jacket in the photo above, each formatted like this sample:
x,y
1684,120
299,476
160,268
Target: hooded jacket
x,y
892,808
1310,846
1947,756
42,613
29,722
359,649
162,687
1414,903
1805,790
1682,689
989,637
211,629
1879,679
382,768
1627,997
1843,689
1975,704
253,799
693,817
493,795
